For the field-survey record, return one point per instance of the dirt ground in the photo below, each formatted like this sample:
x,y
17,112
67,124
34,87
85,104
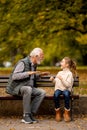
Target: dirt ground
x,y
45,123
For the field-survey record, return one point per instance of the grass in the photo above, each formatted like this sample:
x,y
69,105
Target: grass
x,y
2,69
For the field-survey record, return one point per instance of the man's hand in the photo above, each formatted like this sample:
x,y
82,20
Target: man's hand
x,y
38,72
45,73
33,72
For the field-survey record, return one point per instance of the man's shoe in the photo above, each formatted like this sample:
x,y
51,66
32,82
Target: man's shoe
x,y
27,119
33,119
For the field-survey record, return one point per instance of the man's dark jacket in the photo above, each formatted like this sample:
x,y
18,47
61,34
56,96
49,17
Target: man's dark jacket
x,y
14,86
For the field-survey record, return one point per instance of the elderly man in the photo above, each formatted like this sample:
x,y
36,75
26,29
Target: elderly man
x,y
22,83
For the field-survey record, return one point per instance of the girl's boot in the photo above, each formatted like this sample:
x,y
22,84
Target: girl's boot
x,y
58,114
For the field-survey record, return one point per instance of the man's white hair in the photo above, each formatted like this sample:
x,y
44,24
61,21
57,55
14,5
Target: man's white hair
x,y
36,51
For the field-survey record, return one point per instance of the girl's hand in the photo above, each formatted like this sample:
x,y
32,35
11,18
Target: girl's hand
x,y
59,77
51,78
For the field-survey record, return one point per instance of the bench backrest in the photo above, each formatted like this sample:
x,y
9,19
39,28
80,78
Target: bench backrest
x,y
42,82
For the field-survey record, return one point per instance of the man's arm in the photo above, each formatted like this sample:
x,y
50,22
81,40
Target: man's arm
x,y
18,72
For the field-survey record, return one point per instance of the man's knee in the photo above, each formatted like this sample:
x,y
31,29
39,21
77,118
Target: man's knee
x,y
42,92
26,89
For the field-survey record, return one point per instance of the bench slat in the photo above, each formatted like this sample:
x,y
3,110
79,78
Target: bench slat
x,y
3,81
3,85
45,85
10,97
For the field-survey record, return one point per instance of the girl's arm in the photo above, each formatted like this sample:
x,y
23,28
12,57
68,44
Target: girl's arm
x,y
68,82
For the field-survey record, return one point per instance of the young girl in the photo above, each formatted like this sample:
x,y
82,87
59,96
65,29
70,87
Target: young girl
x,y
63,85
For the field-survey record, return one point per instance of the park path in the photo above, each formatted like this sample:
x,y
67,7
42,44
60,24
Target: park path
x,y
45,123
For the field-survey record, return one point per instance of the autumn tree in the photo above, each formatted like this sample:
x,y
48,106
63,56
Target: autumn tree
x,y
59,27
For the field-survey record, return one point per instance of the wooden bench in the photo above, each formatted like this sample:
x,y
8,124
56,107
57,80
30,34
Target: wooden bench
x,y
42,82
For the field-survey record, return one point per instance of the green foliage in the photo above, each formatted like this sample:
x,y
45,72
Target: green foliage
x,y
59,27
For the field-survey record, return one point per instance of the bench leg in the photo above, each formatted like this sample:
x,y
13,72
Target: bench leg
x,y
72,109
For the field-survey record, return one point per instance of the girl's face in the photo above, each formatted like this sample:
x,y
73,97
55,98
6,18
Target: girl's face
x,y
64,64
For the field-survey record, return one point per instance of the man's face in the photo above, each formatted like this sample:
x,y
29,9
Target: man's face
x,y
39,58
